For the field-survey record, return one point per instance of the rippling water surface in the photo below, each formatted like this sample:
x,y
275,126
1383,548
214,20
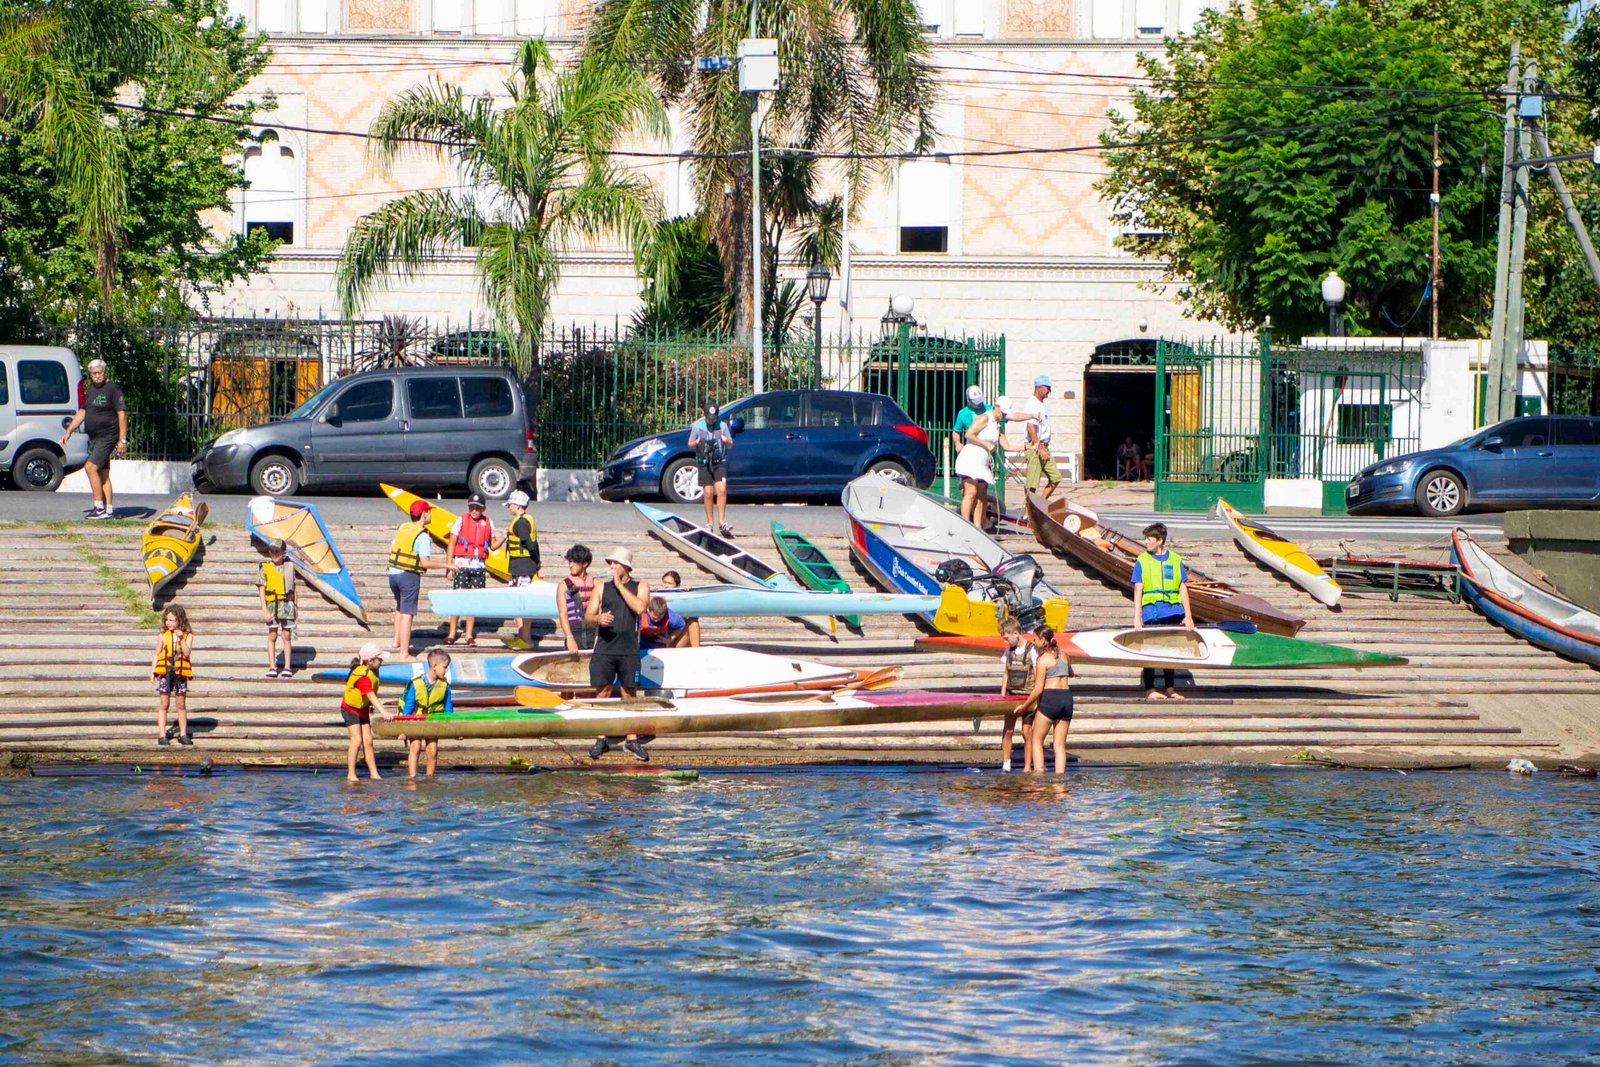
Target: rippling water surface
x,y
875,916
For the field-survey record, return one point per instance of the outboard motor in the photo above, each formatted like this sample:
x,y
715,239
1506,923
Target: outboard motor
x,y
956,572
1014,582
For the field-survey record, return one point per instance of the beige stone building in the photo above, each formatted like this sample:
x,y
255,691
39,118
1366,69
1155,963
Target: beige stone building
x,y
1015,244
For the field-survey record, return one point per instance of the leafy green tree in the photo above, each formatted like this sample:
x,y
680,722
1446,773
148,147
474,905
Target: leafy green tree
x,y
539,178
62,67
1257,191
855,79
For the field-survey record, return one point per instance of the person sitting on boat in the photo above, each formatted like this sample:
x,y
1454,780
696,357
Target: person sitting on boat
x,y
711,437
975,462
278,602
1051,697
1160,598
1016,676
428,694
577,588
662,627
359,702
467,559
522,558
410,554
615,610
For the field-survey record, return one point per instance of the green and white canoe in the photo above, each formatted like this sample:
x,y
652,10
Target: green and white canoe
x,y
812,566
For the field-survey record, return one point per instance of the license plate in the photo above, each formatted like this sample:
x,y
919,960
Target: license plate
x,y
1352,489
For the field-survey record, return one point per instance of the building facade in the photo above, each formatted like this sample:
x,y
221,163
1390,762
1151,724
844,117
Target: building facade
x,y
1014,244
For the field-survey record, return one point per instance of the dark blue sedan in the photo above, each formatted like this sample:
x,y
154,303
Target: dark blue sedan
x,y
1534,461
788,444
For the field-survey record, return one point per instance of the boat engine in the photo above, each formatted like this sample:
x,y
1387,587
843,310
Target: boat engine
x,y
1013,583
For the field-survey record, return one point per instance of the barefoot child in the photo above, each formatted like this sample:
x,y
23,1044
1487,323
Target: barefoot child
x,y
170,669
428,694
1016,667
278,605
360,701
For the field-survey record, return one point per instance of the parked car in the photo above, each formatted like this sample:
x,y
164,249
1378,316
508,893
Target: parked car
x,y
38,397
1532,461
788,444
423,427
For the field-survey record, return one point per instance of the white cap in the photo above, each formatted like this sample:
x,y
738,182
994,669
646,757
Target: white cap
x,y
519,498
974,394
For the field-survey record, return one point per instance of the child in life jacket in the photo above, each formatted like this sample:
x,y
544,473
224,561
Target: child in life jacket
x,y
278,604
428,694
359,702
466,559
171,670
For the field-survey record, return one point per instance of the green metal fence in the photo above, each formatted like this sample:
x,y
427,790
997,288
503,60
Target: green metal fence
x,y
1574,381
1230,415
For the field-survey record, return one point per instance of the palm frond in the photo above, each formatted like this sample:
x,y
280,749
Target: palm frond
x,y
401,238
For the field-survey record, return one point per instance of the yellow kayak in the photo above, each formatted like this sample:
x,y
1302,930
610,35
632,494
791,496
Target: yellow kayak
x,y
440,519
172,542
1280,554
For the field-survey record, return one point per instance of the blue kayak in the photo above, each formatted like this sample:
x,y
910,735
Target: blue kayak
x,y
309,547
538,601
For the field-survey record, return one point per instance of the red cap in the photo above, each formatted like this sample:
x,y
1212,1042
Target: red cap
x,y
420,508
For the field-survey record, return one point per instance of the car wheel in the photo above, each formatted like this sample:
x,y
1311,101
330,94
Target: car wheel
x,y
895,472
37,470
275,476
493,478
1441,493
680,482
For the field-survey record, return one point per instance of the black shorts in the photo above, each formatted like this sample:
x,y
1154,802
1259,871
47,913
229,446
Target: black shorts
x,y
1056,705
712,473
354,718
100,448
468,579
606,668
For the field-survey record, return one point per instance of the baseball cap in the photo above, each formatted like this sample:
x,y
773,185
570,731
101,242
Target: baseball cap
x,y
370,650
622,556
420,508
276,545
974,394
475,501
1044,380
518,498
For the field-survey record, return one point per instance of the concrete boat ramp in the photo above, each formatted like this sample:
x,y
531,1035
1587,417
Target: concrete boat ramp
x,y
74,668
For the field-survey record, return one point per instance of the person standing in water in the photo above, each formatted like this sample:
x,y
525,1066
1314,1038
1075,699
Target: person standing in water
x,y
1050,698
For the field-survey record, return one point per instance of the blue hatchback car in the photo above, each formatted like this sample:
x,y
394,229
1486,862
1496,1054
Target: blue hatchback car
x,y
788,444
1533,461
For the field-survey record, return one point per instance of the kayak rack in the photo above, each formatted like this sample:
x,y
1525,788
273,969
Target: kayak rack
x,y
1397,577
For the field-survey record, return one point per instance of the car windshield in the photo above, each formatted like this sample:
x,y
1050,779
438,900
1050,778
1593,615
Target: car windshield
x,y
310,403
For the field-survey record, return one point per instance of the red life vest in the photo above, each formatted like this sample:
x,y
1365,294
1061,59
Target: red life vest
x,y
473,540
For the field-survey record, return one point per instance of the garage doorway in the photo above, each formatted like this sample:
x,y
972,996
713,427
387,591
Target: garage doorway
x,y
1119,401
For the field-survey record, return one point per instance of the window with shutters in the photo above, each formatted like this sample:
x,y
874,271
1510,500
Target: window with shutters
x,y
923,193
273,199
285,16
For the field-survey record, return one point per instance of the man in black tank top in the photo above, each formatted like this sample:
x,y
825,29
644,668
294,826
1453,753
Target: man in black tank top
x,y
615,608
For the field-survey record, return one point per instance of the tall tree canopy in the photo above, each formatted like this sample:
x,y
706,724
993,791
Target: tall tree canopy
x,y
855,80
1280,144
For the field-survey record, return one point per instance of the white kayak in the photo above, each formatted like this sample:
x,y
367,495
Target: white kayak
x,y
538,601
1279,553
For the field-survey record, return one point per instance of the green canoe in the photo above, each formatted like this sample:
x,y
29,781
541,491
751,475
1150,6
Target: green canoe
x,y
811,566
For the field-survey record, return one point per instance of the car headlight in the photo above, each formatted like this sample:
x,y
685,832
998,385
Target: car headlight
x,y
1393,467
228,438
642,450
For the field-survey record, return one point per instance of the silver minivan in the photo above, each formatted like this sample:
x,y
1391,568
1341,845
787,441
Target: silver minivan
x,y
38,397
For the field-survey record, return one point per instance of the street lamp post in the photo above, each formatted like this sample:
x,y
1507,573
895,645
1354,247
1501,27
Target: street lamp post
x,y
1333,294
818,278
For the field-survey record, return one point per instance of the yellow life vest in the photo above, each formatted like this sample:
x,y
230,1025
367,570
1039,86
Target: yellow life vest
x,y
402,551
171,660
1168,578
429,698
272,583
517,547
355,699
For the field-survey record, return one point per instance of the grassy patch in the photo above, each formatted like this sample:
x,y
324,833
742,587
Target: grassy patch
x,y
135,598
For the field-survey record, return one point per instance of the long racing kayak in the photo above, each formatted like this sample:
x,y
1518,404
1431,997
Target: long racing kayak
x,y
1280,554
538,601
1173,646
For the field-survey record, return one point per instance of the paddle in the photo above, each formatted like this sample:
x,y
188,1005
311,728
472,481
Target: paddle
x,y
536,696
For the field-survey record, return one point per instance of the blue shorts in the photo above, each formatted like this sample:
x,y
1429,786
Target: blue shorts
x,y
1162,615
405,586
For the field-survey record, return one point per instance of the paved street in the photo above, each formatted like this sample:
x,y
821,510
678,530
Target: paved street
x,y
1127,509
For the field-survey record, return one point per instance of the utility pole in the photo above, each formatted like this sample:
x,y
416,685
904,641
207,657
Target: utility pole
x,y
1510,358
1541,144
758,73
1433,286
1502,257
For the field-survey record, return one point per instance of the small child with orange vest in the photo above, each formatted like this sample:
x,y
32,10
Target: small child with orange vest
x,y
359,702
171,670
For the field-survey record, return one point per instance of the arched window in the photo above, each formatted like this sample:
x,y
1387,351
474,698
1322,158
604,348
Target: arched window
x,y
274,196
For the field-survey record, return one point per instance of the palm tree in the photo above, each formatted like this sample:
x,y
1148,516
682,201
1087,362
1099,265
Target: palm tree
x,y
855,80
61,67
539,179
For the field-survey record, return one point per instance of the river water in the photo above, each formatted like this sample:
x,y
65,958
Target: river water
x,y
874,916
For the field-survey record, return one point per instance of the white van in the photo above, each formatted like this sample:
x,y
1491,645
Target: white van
x,y
38,397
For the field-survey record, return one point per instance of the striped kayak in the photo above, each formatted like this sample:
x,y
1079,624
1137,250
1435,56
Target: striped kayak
x,y
539,601
707,667
310,547
1280,554
1538,616
440,520
646,715
1204,647
811,566
172,542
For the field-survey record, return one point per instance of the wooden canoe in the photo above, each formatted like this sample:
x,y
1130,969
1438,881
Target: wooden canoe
x,y
172,542
1077,534
1538,616
811,566
1280,554
310,547
440,520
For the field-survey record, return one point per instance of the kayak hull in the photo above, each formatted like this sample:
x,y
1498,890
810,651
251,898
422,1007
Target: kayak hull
x,y
172,543
811,566
538,601
1172,646
1538,616
1280,554
310,548
440,520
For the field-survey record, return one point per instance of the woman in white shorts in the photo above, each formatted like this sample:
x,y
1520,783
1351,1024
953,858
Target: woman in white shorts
x,y
975,465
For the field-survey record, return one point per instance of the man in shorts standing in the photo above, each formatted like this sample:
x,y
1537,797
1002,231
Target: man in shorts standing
x,y
466,561
1041,465
410,554
615,609
104,417
711,438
